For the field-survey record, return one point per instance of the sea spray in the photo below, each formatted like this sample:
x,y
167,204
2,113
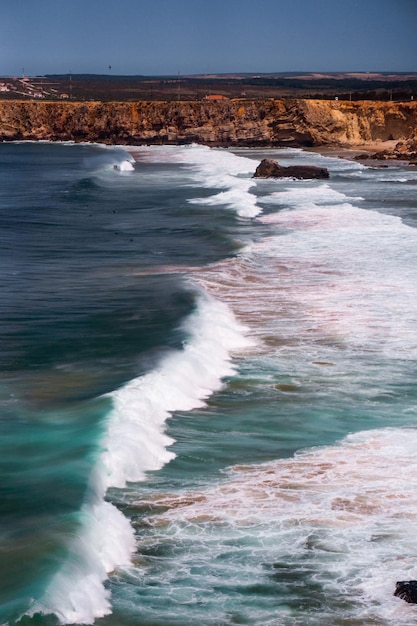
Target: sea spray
x,y
229,172
136,441
134,444
105,540
212,169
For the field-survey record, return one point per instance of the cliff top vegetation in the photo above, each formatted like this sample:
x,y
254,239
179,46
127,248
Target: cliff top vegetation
x,y
104,87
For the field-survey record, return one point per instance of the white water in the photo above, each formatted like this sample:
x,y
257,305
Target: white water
x,y
212,168
331,288
136,443
346,513
330,276
355,270
309,287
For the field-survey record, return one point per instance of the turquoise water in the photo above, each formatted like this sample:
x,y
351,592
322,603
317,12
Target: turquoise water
x,y
208,389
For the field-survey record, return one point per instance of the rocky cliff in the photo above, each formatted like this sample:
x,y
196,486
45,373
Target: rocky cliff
x,y
227,123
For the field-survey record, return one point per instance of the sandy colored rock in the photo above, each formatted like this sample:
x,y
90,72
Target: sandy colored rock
x,y
300,123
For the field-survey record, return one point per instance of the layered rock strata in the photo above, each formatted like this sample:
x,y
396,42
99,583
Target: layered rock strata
x,y
231,123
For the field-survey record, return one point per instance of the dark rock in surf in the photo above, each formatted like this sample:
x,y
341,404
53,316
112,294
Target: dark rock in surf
x,y
407,590
268,168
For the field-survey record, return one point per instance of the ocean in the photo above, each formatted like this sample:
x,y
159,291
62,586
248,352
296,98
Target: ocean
x,y
208,388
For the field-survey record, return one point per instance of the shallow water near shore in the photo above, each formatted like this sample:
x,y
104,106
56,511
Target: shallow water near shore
x,y
208,388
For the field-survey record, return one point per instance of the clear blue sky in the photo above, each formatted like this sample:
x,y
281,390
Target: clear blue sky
x,y
206,36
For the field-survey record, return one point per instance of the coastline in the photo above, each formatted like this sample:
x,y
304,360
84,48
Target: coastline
x,y
354,153
389,129
366,154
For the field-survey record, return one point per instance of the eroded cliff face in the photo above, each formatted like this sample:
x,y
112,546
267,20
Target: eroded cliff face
x,y
231,123
356,123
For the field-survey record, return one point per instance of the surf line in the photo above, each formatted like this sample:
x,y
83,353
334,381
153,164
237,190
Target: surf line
x,y
135,443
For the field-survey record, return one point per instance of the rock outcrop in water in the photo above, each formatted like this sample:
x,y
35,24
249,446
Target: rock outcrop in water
x,y
268,168
289,122
407,590
404,150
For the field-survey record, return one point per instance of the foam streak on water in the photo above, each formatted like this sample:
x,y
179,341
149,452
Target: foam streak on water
x,y
331,275
213,169
340,519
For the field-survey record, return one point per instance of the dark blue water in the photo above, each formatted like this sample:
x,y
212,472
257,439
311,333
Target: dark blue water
x,y
207,389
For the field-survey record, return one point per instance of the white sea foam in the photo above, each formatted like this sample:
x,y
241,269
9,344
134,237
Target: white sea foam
x,y
335,252
125,166
237,198
212,168
307,194
110,159
136,443
311,284
346,513
229,172
105,541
